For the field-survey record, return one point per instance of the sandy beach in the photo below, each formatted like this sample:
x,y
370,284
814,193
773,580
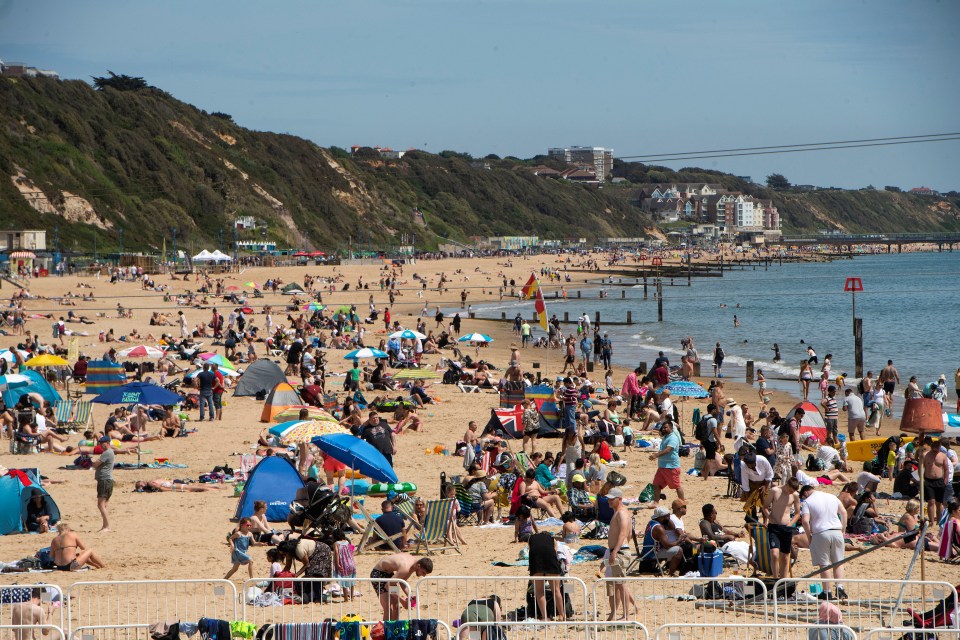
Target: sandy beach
x,y
182,535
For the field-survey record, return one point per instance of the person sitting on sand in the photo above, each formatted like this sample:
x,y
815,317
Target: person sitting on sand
x,y
70,553
261,529
908,523
407,417
166,484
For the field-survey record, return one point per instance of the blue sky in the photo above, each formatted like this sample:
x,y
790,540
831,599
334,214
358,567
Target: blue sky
x,y
513,77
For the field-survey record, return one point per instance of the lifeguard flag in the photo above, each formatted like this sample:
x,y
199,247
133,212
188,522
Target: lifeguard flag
x,y
541,310
531,288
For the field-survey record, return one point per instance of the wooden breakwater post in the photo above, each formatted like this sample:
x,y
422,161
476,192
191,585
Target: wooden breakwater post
x,y
629,317
696,369
644,287
659,302
749,371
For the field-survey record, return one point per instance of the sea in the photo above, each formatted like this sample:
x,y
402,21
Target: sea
x,y
910,306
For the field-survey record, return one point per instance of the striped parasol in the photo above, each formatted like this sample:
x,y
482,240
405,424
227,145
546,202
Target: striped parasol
x,y
314,306
300,431
141,351
217,359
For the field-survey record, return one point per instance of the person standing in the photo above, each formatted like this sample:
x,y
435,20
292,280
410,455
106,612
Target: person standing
x,y
397,567
531,425
935,476
668,463
103,474
856,416
379,434
182,320
30,615
888,380
712,442
567,396
631,392
606,350
718,356
781,513
586,346
830,412
524,333
825,519
617,556
218,388
206,380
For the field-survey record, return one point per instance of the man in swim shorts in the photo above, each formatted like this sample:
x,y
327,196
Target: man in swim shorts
x,y
398,566
889,378
782,512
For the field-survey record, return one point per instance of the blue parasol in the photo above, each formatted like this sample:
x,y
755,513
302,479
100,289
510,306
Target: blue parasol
x,y
366,352
684,389
138,393
358,455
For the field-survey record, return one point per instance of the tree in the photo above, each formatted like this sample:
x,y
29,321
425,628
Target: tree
x,y
892,189
119,82
777,181
222,115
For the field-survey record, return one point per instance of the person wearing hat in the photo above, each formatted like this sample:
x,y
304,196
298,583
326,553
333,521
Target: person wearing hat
x,y
38,512
103,473
667,539
580,502
736,425
668,462
616,558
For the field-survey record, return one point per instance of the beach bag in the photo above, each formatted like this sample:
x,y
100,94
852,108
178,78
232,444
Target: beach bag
x,y
647,494
165,630
83,461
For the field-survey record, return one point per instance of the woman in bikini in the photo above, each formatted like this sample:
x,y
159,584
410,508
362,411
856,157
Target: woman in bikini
x,y
166,484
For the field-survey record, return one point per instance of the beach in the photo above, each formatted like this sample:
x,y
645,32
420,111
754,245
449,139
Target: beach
x,y
183,535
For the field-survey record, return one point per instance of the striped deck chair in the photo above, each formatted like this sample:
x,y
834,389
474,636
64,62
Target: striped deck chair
x,y
374,538
759,554
486,461
523,462
471,510
82,415
62,411
434,536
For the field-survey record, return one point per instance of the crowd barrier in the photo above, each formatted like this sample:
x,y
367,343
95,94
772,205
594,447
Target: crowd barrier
x,y
134,603
871,604
111,632
11,594
366,605
910,633
689,631
28,631
705,601
553,631
446,597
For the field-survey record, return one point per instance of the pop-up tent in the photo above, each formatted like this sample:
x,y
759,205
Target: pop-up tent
x,y
261,376
282,397
292,288
203,256
812,421
220,256
275,481
16,488
37,387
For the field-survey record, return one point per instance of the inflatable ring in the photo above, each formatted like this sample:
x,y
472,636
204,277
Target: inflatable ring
x,y
383,488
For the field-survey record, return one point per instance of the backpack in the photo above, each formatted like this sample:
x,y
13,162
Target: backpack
x,y
702,430
860,388
814,463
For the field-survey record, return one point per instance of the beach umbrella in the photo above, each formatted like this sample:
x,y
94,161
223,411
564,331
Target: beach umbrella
x,y
303,431
231,373
233,287
684,389
252,285
47,360
357,454
407,334
301,254
317,254
13,381
475,337
10,355
313,306
217,359
138,393
366,352
141,351
313,413
417,374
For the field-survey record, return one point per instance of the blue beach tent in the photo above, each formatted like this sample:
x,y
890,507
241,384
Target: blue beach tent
x,y
37,385
14,497
275,481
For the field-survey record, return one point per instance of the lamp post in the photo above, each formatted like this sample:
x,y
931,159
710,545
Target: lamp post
x,y
121,241
174,245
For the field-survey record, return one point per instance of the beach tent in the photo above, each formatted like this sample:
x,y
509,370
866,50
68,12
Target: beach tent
x,y
263,375
812,422
292,288
510,420
37,386
282,397
103,375
220,256
275,481
14,496
203,256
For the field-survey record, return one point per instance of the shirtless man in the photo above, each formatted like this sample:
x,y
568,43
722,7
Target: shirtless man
x,y
166,484
934,478
888,379
471,437
69,553
617,557
781,512
29,614
398,566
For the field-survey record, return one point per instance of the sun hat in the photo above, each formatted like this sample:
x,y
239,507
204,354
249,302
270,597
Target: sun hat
x,y
577,477
613,494
660,512
731,402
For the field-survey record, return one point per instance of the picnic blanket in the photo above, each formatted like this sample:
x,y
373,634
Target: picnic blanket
x,y
584,554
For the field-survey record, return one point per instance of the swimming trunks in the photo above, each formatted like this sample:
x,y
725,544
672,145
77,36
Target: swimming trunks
x,y
376,575
889,386
780,537
935,488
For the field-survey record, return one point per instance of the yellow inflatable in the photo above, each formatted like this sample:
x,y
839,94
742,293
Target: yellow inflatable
x,y
863,450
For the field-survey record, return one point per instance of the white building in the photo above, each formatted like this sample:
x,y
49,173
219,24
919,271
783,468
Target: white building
x,y
600,159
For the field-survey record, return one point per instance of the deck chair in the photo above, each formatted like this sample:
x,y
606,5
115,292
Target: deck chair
x,y
604,514
433,537
949,549
471,509
523,462
759,556
374,538
62,411
23,443
83,413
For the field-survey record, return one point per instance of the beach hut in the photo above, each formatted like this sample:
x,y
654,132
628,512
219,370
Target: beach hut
x,y
275,481
281,397
103,375
812,422
16,488
260,377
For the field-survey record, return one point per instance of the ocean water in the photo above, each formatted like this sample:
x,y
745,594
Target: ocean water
x,y
910,308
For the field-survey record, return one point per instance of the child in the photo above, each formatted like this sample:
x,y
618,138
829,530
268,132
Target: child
x,y
824,383
627,435
762,384
344,565
453,529
570,533
525,526
783,469
240,541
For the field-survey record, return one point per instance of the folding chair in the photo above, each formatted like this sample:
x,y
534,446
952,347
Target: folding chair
x,y
436,525
471,509
468,388
23,443
81,419
759,555
523,462
646,560
949,549
62,410
374,537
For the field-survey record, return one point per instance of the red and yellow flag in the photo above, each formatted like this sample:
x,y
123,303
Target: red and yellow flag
x,y
531,288
541,309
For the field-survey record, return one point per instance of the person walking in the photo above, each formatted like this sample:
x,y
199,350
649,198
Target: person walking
x,y
712,442
206,380
718,356
888,380
103,474
616,559
825,519
856,416
668,462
